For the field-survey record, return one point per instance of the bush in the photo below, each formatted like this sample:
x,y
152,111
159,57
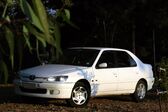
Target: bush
x,y
162,74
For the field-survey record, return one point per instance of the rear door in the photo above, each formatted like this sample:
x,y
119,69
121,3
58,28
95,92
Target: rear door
x,y
127,72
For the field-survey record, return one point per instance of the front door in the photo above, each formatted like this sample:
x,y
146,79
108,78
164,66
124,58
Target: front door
x,y
106,75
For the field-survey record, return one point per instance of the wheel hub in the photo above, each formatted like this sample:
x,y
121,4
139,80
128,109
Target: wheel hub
x,y
141,91
79,95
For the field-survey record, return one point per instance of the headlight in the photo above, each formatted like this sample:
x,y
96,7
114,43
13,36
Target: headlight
x,y
51,79
57,78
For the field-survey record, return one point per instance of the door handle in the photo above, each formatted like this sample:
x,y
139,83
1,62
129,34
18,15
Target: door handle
x,y
115,74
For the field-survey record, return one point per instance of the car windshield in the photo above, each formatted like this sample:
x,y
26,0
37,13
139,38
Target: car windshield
x,y
79,57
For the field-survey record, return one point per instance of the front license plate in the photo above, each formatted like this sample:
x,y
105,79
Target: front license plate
x,y
29,85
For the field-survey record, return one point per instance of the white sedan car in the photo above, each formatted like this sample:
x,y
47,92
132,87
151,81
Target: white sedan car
x,y
85,72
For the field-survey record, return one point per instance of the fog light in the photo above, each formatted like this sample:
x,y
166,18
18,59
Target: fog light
x,y
51,91
38,85
55,92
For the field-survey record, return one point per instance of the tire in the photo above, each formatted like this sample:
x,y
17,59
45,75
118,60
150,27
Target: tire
x,y
140,91
80,95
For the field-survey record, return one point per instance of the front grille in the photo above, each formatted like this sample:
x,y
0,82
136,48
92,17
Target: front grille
x,y
37,79
38,91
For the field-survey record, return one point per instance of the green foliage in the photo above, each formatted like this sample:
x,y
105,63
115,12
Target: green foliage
x,y
36,24
11,43
29,12
3,70
163,73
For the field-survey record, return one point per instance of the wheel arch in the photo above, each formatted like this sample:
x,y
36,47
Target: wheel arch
x,y
86,82
145,81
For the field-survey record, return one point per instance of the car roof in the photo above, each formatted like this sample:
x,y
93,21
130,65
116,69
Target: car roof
x,y
99,48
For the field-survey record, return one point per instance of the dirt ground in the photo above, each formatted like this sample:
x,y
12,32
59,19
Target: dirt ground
x,y
9,102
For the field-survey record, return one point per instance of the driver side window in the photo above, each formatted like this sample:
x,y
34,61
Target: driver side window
x,y
108,58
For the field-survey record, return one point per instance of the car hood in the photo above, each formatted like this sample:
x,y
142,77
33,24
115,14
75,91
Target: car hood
x,y
50,70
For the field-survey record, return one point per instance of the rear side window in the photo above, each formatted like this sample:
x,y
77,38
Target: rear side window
x,y
124,59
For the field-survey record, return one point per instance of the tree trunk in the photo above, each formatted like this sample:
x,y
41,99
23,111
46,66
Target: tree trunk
x,y
154,51
105,34
133,39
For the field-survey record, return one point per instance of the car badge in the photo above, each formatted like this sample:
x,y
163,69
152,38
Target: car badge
x,y
32,77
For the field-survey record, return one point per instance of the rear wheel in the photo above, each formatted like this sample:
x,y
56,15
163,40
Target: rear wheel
x,y
80,95
140,91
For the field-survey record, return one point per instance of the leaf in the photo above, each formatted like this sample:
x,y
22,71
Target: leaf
x,y
57,37
2,51
57,43
4,71
37,51
4,11
59,13
68,3
26,37
66,18
55,31
67,14
38,35
8,19
41,13
20,52
28,11
10,40
10,2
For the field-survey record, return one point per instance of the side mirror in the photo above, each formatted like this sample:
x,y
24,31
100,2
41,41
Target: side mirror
x,y
103,65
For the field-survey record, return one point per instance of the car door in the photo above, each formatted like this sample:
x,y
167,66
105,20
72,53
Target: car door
x,y
127,72
106,75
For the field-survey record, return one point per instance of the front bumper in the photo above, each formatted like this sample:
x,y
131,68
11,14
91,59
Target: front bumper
x,y
45,90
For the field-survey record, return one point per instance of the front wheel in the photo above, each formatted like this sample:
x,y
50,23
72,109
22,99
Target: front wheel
x,y
140,91
80,95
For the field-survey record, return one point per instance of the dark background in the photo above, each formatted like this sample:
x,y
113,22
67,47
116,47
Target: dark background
x,y
140,26
145,20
